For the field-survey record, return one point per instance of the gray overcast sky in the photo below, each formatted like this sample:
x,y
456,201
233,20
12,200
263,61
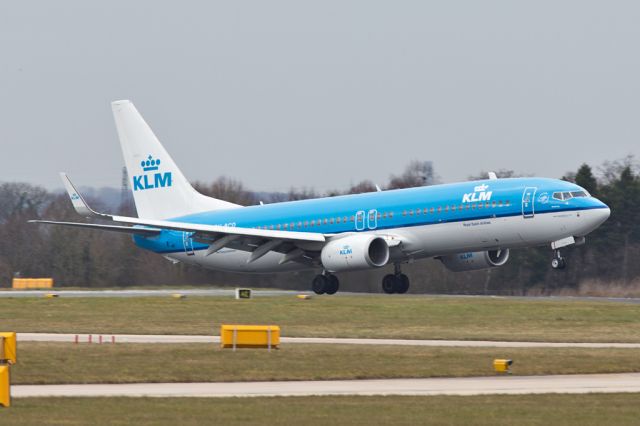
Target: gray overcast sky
x,y
322,94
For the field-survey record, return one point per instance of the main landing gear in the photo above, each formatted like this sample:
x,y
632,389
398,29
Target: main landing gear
x,y
558,261
396,282
325,284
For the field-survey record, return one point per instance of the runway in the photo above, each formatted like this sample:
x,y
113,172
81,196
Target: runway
x,y
229,292
577,384
130,338
211,292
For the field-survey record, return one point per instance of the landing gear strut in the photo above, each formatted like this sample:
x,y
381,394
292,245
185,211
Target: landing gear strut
x,y
558,261
325,283
396,282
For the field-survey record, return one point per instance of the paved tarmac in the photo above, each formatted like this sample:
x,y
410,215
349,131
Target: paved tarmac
x,y
217,292
577,384
143,293
130,338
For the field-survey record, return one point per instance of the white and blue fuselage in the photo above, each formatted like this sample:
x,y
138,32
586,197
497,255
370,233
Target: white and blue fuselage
x,y
430,221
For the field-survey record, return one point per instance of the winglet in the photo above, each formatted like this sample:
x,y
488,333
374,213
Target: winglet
x,y
81,207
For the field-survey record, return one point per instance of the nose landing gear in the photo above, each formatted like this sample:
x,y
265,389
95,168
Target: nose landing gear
x,y
396,282
558,261
325,284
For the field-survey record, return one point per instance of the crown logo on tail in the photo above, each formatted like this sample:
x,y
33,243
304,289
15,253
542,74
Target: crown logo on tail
x,y
149,164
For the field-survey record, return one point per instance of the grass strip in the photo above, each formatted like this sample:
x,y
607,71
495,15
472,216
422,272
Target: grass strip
x,y
52,363
350,316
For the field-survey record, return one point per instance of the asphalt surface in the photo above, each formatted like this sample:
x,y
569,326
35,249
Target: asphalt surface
x,y
577,384
216,292
143,293
130,338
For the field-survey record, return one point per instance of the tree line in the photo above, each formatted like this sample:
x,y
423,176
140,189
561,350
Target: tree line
x,y
606,264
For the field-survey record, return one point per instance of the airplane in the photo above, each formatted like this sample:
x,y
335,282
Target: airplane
x,y
467,225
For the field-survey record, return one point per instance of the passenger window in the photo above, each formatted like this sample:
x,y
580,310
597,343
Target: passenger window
x,y
439,209
411,212
384,215
278,227
306,223
379,216
473,206
446,209
331,221
390,215
480,205
431,210
454,208
508,203
338,220
418,211
426,210
493,204
352,219
487,204
404,212
313,222
270,226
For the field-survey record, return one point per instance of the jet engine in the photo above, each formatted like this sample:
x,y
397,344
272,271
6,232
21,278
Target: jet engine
x,y
472,261
354,252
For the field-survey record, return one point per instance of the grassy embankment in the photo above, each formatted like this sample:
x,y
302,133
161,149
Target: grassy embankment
x,y
579,410
350,316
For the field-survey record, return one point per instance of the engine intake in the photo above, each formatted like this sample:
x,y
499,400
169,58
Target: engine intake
x,y
472,261
354,252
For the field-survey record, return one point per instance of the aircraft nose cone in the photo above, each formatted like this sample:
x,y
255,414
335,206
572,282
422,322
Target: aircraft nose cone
x,y
601,215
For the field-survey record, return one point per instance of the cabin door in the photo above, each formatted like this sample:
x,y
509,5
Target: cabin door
x,y
527,202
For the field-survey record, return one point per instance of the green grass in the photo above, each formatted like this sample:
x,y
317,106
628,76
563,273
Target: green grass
x,y
579,410
349,316
51,363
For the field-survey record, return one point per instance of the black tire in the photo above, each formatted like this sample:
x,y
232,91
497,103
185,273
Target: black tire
x,y
563,263
319,284
402,284
389,284
555,263
332,284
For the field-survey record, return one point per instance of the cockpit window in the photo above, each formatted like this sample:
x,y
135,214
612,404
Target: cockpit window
x,y
565,196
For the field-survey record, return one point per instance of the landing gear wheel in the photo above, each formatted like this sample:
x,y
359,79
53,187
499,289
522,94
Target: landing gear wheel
x,y
558,261
402,284
332,284
320,284
389,284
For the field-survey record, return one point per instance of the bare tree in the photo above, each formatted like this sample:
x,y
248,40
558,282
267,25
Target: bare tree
x,y
417,173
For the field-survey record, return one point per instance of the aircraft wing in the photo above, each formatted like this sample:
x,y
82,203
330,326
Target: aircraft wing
x,y
295,245
147,232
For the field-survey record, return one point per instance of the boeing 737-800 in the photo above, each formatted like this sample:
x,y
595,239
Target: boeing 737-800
x,y
467,225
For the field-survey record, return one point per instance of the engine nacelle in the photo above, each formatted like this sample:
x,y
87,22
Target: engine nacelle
x,y
359,251
472,261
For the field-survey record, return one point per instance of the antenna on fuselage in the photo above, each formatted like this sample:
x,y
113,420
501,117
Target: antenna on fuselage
x,y
493,176
378,188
